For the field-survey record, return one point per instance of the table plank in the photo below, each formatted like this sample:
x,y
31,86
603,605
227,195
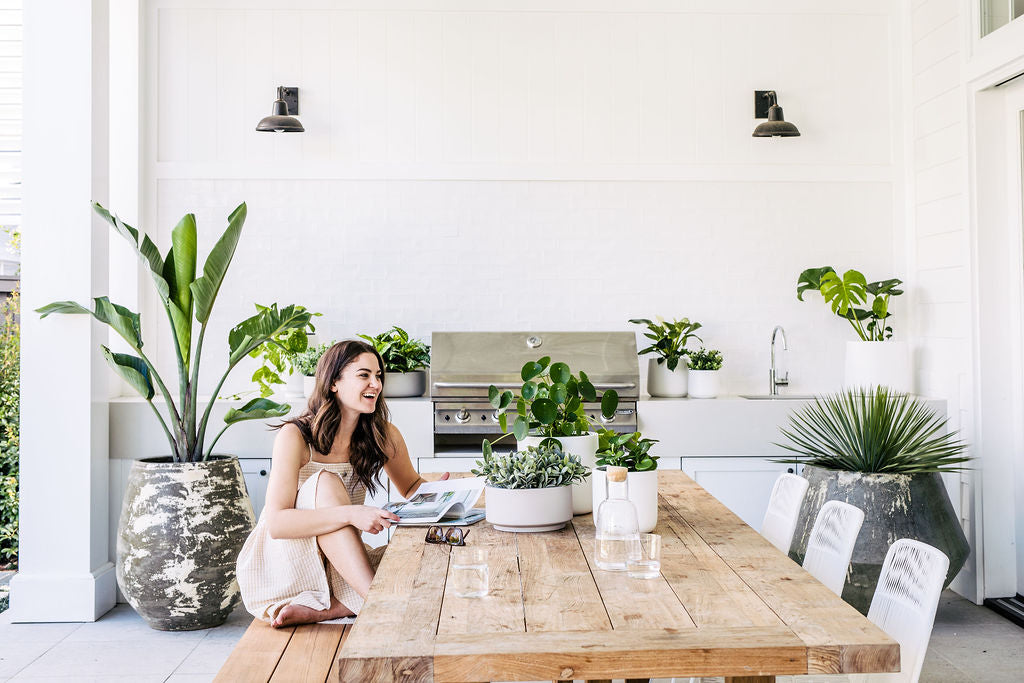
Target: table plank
x,y
256,655
731,651
632,603
309,654
839,639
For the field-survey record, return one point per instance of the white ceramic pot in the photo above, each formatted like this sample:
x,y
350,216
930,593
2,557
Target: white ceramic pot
x,y
528,510
643,493
869,364
665,383
293,388
405,384
308,385
703,383
584,447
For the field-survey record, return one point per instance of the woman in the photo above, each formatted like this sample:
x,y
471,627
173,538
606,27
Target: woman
x,y
305,561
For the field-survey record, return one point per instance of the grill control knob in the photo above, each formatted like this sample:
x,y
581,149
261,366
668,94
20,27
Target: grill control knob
x,y
607,420
494,416
534,341
462,416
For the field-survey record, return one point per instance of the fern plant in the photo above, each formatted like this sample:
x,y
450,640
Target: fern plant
x,y
533,468
882,431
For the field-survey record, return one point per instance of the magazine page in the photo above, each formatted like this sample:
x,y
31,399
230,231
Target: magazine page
x,y
436,499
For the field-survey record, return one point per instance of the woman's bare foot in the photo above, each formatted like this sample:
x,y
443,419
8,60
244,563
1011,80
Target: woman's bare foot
x,y
292,615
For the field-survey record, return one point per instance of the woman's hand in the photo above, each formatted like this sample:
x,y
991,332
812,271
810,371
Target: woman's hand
x,y
370,519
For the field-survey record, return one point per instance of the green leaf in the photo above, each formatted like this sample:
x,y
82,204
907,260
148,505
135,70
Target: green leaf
x,y
132,370
179,271
587,391
494,396
62,308
531,370
520,428
559,373
205,289
883,287
529,390
545,410
558,393
609,402
256,409
123,321
146,249
811,279
266,324
506,400
843,293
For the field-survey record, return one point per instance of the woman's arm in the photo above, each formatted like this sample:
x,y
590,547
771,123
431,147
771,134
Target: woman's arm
x,y
399,466
283,520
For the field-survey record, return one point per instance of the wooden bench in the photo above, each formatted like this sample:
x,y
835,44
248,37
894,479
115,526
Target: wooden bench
x,y
293,654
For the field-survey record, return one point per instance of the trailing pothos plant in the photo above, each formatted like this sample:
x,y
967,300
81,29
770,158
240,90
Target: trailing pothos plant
x,y
186,299
399,352
629,450
533,468
846,294
278,355
550,403
670,338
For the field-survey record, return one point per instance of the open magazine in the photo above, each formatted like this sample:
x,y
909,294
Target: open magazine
x,y
441,502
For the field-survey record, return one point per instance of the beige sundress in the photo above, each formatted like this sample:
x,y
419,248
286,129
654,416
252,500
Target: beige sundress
x,y
276,572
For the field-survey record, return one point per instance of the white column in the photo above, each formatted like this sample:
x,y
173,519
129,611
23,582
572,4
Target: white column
x,y
65,573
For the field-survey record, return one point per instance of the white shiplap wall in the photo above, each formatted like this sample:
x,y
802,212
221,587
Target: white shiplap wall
x,y
499,165
10,127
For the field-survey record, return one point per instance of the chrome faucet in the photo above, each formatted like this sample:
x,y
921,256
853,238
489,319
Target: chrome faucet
x,y
774,381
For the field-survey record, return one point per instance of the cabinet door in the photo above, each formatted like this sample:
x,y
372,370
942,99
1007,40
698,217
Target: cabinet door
x,y
741,484
256,473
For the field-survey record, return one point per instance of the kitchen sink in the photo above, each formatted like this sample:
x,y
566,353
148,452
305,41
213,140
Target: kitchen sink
x,y
778,397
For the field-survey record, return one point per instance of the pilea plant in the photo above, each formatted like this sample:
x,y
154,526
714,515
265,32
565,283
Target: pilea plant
x,y
306,361
669,337
278,354
628,450
549,402
844,294
399,352
706,359
533,468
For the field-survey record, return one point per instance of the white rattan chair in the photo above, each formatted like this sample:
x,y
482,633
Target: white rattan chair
x,y
830,546
783,510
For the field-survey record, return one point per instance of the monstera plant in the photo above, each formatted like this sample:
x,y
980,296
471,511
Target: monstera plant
x,y
185,515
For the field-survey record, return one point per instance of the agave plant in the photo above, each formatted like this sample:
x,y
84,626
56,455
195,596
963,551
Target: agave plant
x,y
880,431
183,295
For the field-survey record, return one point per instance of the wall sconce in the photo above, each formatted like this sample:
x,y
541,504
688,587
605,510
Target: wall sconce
x,y
282,116
765,106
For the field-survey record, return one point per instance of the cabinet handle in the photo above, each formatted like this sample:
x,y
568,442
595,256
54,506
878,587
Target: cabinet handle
x,y
263,473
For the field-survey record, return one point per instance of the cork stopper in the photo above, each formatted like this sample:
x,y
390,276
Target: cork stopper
x,y
617,474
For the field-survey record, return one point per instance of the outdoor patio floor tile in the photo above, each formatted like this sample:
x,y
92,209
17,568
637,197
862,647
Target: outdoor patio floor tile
x,y
122,623
110,659
191,678
87,679
208,657
34,633
15,656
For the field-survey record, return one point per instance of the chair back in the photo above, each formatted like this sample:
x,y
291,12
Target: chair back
x,y
783,510
830,546
906,598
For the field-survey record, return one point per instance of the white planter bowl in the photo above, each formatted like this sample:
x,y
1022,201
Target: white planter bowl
x,y
869,364
703,383
308,385
665,383
643,493
405,384
293,387
528,510
584,447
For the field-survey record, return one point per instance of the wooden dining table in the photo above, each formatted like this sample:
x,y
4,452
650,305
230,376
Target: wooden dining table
x,y
727,603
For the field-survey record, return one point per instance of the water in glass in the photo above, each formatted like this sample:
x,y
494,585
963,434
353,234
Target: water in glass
x,y
469,573
645,557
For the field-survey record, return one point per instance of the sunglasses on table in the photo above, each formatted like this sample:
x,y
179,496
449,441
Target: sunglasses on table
x,y
453,535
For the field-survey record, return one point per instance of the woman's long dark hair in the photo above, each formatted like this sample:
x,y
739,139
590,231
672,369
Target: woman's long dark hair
x,y
319,423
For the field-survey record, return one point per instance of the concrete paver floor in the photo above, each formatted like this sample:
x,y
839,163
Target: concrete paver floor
x,y
969,643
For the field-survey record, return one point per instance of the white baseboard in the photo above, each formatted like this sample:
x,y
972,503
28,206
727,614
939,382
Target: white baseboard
x,y
63,597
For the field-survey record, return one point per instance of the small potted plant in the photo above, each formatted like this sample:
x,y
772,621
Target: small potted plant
x,y
549,410
667,373
704,367
405,362
530,490
277,357
865,305
305,363
632,451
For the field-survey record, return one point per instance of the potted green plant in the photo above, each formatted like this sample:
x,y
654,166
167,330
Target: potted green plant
x,y
530,490
185,515
277,357
866,306
550,408
667,373
632,451
704,367
405,362
305,363
883,452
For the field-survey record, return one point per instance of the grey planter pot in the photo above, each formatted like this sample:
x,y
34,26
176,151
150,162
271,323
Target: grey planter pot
x,y
181,529
895,506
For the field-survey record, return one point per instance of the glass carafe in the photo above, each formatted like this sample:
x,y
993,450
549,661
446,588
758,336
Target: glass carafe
x,y
617,532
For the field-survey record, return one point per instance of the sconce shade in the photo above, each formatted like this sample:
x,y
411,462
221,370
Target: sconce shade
x,y
776,125
279,121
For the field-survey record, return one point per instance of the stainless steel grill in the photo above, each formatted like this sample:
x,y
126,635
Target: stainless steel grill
x,y
465,364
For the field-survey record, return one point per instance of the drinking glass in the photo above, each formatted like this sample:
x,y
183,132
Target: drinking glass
x,y
469,572
645,557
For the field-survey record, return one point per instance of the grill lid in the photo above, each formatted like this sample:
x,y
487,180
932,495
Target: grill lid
x,y
465,364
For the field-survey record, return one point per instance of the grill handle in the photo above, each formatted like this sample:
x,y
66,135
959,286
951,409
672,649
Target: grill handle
x,y
516,385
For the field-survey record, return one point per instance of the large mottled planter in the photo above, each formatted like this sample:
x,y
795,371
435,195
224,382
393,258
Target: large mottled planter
x,y
895,506
182,527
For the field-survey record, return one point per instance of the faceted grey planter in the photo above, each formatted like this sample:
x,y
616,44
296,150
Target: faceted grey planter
x,y
895,506
181,529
